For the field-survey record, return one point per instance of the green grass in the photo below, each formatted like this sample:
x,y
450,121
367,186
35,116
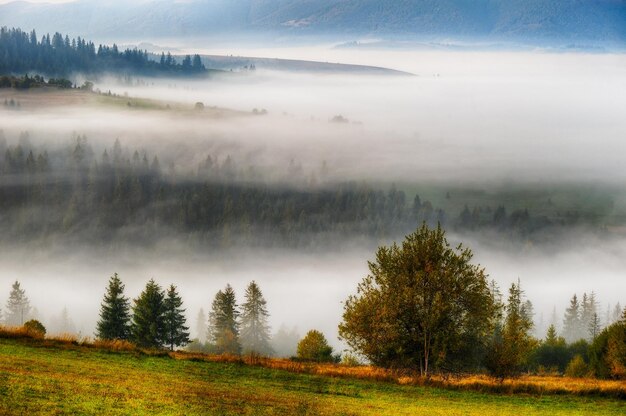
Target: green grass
x,y
36,379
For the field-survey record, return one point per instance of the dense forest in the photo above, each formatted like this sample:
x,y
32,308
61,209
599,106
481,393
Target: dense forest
x,y
75,190
58,55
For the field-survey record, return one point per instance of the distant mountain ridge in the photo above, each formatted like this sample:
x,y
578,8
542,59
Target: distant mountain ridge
x,y
525,20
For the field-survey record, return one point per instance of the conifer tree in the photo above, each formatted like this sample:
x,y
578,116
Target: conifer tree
x,y
223,322
255,331
571,321
148,327
511,346
18,306
594,326
176,333
114,320
589,316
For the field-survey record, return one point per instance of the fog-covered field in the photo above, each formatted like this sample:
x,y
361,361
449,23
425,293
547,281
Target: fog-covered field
x,y
483,120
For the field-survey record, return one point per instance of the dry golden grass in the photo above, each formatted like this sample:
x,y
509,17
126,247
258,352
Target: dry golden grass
x,y
19,332
529,384
114,345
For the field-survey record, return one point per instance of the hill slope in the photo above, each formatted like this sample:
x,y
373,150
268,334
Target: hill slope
x,y
48,378
525,20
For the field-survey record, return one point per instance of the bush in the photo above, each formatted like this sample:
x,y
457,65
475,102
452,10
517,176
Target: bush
x,y
577,367
350,360
35,327
314,347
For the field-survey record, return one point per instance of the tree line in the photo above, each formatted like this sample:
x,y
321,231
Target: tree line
x,y
424,306
58,55
219,202
35,81
156,320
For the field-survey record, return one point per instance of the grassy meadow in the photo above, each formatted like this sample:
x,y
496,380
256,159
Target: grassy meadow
x,y
52,377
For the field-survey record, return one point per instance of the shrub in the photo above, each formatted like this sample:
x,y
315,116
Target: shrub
x,y
577,367
35,327
314,347
350,360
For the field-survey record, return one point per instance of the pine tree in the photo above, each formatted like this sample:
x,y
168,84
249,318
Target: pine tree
x,y
571,321
223,322
255,331
148,327
588,314
517,325
114,320
551,336
528,312
594,326
176,333
18,306
511,344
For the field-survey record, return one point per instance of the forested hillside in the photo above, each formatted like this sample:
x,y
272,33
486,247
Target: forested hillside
x,y
58,55
75,190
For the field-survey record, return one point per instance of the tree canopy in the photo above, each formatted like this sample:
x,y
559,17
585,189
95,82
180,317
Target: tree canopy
x,y
422,303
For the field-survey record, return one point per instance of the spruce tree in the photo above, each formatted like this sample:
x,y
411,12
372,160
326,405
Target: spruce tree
x,y
223,322
594,327
114,320
148,327
255,331
510,347
589,316
571,321
18,306
176,333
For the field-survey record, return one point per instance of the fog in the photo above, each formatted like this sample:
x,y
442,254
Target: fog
x,y
487,120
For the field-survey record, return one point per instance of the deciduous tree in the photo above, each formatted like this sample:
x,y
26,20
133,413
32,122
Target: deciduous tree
x,y
422,303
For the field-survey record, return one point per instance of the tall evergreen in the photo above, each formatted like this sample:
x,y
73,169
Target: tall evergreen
x,y
18,306
511,344
517,325
114,320
148,327
176,333
223,322
255,331
589,319
571,321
